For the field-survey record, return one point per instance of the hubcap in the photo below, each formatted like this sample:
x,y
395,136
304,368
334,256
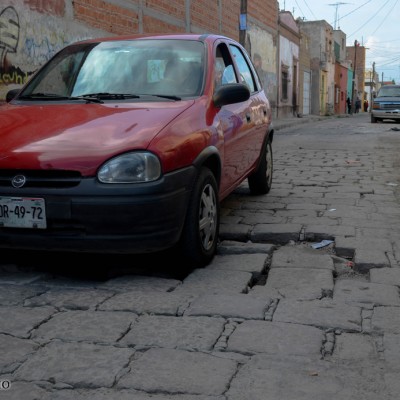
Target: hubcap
x,y
208,217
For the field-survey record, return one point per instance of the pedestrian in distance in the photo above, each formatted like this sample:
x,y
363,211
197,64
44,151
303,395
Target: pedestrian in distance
x,y
348,102
358,105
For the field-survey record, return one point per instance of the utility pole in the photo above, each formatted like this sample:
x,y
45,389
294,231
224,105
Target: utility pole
x,y
372,86
243,22
354,76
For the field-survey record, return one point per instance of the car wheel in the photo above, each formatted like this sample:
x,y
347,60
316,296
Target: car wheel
x,y
260,180
374,120
200,233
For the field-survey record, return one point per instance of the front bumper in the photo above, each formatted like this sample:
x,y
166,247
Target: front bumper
x,y
96,217
387,114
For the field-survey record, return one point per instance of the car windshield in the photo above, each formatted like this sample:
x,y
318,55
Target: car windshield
x,y
164,68
389,92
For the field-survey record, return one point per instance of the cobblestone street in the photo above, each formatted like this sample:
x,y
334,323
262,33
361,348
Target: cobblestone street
x,y
301,302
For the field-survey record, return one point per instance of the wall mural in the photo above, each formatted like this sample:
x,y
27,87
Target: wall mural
x,y
9,39
263,53
31,32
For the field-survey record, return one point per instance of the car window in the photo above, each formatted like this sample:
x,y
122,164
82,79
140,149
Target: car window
x,y
224,72
153,67
61,75
389,91
246,75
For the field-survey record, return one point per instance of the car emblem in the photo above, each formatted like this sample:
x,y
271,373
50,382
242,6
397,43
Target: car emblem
x,y
18,181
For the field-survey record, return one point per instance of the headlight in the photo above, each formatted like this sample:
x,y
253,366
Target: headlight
x,y
376,105
130,168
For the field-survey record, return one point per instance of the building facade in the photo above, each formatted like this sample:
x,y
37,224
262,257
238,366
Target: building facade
x,y
320,34
356,54
302,64
32,31
288,66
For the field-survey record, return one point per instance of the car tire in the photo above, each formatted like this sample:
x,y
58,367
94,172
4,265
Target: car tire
x,y
260,180
374,120
201,229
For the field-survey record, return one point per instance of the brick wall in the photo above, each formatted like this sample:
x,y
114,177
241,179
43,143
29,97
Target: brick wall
x,y
106,16
43,27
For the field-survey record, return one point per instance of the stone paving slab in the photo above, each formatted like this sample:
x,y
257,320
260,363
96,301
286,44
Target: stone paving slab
x,y
12,295
368,251
124,394
355,347
151,302
239,262
386,276
301,257
391,344
354,291
13,351
229,306
138,282
176,371
298,378
252,337
233,247
185,333
314,232
275,233
82,365
392,381
92,326
240,232
25,391
297,283
386,320
20,277
320,313
20,321
69,298
202,281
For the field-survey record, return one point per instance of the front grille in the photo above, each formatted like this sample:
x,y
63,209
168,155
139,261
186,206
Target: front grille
x,y
41,178
390,106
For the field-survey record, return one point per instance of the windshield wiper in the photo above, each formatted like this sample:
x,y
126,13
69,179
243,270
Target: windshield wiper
x,y
165,96
111,96
53,96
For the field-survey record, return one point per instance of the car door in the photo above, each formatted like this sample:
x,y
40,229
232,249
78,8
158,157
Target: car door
x,y
240,123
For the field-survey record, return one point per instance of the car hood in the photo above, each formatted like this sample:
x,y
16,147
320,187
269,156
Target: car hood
x,y
79,136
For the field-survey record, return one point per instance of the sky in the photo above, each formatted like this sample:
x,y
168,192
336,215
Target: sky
x,y
375,24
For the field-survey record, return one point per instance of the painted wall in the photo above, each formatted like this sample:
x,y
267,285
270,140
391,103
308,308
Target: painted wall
x,y
289,59
263,53
30,33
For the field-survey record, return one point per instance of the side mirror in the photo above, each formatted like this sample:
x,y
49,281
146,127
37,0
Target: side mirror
x,y
231,93
11,94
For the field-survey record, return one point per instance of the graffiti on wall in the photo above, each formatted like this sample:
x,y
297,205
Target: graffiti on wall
x,y
9,39
263,53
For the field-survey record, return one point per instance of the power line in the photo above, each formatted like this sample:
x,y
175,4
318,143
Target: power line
x,y
305,2
384,19
351,12
372,17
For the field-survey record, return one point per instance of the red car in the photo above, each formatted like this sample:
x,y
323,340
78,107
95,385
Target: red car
x,y
128,144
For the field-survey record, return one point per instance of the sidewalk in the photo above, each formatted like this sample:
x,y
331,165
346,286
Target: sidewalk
x,y
282,123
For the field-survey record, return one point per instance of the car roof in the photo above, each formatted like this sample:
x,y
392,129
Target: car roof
x,y
178,36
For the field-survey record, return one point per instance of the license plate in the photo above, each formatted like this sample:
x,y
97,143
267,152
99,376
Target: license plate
x,y
22,212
